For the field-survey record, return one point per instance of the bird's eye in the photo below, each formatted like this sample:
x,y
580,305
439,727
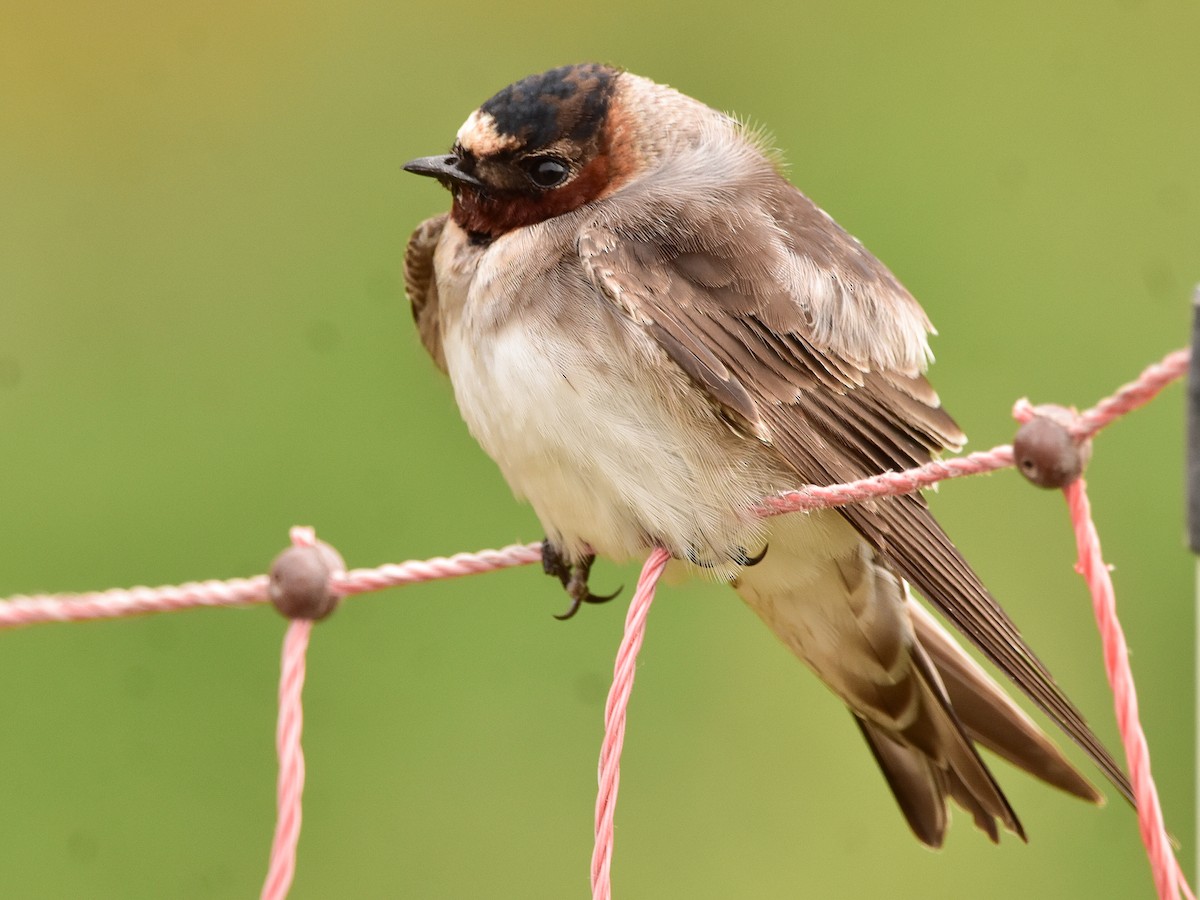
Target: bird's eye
x,y
547,171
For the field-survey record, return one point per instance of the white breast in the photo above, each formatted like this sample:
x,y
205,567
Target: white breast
x,y
604,453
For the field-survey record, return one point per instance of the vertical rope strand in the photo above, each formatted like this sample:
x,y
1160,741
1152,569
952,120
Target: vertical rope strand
x,y
290,784
609,775
1120,678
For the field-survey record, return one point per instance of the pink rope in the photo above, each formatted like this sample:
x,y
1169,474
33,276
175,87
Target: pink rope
x,y
609,774
1168,878
118,602
28,610
361,581
1137,393
290,784
22,610
887,484
1126,399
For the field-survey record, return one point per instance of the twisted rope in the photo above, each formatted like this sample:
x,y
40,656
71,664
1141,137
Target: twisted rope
x,y
290,782
1168,877
36,609
609,773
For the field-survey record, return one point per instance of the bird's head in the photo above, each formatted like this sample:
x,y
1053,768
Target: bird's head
x,y
543,147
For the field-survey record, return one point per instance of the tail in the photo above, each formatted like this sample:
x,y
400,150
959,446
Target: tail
x,y
921,702
933,758
990,716
975,710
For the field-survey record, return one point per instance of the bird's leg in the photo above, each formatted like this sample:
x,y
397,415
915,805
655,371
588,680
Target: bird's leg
x,y
553,562
574,577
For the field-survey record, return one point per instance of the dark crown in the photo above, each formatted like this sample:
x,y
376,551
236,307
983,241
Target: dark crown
x,y
567,102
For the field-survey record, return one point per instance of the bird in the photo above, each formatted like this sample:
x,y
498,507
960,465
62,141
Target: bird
x,y
649,329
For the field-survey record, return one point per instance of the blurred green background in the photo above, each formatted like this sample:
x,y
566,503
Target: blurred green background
x,y
204,340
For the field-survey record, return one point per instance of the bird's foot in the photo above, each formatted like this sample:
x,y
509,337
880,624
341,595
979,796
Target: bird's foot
x,y
740,557
573,576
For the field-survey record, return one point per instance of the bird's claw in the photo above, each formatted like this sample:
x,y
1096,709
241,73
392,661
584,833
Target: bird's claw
x,y
740,558
574,577
745,561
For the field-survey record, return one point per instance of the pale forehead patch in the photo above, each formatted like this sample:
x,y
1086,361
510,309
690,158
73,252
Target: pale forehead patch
x,y
480,135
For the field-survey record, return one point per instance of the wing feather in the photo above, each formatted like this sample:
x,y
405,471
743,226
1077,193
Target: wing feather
x,y
421,283
795,329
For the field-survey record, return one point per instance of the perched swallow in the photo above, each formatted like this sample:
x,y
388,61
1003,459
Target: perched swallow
x,y
649,329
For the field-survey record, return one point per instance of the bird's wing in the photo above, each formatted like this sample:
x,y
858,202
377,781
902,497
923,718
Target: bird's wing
x,y
421,283
808,343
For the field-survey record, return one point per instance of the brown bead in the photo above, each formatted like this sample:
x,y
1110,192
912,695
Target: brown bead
x,y
1046,453
299,585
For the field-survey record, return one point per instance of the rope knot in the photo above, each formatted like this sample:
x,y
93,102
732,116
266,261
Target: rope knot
x,y
1051,448
300,577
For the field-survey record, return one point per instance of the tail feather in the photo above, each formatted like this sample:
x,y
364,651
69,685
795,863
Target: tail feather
x,y
932,757
919,789
983,820
921,702
991,717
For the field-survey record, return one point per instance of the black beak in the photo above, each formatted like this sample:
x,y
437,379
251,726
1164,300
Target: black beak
x,y
446,169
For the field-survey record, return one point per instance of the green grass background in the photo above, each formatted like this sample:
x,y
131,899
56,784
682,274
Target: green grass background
x,y
204,339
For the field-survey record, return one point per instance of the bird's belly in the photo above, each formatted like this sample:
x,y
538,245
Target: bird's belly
x,y
606,458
